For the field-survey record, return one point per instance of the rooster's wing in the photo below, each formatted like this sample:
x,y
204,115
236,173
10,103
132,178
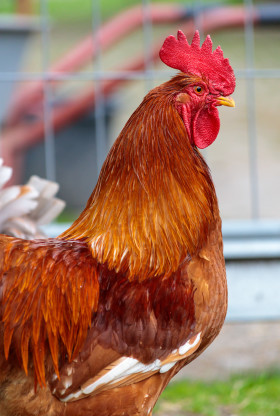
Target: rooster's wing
x,y
103,331
48,292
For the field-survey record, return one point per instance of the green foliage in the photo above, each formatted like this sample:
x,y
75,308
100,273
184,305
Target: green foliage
x,y
68,216
7,6
243,395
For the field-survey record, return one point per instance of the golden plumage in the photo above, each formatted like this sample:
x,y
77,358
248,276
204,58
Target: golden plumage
x,y
154,199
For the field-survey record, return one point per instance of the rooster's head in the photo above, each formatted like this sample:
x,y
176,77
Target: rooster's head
x,y
207,80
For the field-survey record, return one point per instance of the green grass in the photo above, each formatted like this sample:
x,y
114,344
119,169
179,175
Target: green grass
x,y
68,215
244,395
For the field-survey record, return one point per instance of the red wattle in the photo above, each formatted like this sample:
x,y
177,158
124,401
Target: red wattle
x,y
205,127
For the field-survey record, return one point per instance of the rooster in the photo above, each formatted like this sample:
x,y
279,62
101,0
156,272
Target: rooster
x,y
103,316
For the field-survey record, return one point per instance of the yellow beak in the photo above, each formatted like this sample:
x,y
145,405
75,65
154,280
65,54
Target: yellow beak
x,y
227,101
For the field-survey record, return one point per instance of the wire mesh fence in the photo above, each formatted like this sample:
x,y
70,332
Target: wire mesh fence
x,y
241,162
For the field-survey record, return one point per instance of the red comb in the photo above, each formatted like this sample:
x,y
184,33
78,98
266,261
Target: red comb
x,y
201,61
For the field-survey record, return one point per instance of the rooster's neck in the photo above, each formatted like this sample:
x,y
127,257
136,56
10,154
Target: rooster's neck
x,y
153,203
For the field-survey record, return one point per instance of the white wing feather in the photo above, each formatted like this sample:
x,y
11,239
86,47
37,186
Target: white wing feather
x,y
125,370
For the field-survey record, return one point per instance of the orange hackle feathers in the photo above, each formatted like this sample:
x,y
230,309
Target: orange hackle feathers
x,y
50,290
144,217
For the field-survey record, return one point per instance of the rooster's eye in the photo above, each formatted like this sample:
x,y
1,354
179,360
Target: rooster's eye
x,y
198,89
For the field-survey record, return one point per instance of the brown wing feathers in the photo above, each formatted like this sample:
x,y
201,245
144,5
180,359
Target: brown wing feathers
x,y
49,290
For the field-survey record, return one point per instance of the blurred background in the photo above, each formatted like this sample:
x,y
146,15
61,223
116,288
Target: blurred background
x,y
72,72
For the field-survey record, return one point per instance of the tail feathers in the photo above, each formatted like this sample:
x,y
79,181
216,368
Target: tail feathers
x,y
24,208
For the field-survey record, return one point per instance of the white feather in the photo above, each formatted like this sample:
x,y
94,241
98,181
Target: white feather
x,y
23,209
47,210
21,227
5,174
47,189
19,206
8,194
187,346
118,372
128,366
167,367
